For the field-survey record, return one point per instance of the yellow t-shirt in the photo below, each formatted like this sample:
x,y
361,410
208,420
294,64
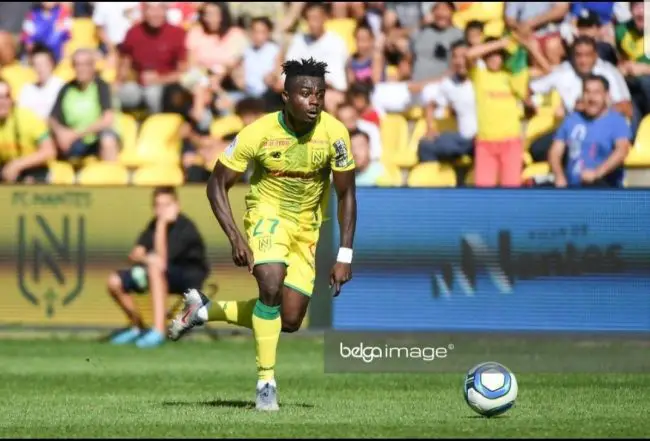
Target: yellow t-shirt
x,y
20,134
497,104
18,76
291,175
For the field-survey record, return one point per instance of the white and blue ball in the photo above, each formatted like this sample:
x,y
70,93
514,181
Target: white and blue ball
x,y
490,389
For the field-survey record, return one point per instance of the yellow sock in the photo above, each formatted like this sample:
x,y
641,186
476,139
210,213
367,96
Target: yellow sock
x,y
234,312
267,325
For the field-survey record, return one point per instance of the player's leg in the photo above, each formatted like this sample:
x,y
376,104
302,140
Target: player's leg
x,y
294,308
120,283
299,283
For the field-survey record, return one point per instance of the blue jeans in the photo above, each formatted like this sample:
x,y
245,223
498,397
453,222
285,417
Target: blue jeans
x,y
447,145
81,149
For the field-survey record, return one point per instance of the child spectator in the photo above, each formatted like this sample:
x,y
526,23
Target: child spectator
x,y
367,63
359,96
48,23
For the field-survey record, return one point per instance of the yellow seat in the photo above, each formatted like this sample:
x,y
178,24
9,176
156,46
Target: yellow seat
x,y
158,174
127,128
392,177
432,174
539,125
344,28
221,127
414,113
490,13
639,155
83,35
61,173
536,169
159,141
394,132
103,173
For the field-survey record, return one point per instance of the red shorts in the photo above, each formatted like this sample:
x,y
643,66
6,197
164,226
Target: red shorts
x,y
498,162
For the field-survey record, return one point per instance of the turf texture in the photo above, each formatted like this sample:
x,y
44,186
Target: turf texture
x,y
73,389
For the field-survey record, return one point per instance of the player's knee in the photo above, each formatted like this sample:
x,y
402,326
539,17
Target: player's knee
x,y
114,284
291,324
271,291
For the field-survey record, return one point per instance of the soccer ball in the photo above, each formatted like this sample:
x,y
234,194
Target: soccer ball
x,y
490,389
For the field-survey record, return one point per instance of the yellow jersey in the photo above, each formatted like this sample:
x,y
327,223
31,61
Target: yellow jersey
x,y
291,174
20,134
497,104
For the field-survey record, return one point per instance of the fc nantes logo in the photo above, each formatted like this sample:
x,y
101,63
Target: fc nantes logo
x,y
264,244
51,256
317,157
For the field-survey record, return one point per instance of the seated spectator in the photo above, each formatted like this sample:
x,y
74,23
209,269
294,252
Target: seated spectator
x,y
359,96
348,115
157,71
82,118
200,149
113,21
14,73
25,144
373,15
474,33
39,97
182,14
168,257
260,58
499,149
342,24
398,56
636,65
431,45
567,77
597,139
406,16
588,25
455,94
366,65
50,24
324,46
605,10
367,171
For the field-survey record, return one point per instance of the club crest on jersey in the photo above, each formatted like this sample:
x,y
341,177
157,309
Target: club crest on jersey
x,y
341,159
264,244
230,150
317,157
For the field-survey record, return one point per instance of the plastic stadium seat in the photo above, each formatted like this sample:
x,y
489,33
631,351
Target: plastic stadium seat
x,y
394,132
392,177
159,141
61,173
536,169
127,128
490,13
103,173
220,127
158,174
64,70
539,125
83,35
344,28
639,156
432,174
414,113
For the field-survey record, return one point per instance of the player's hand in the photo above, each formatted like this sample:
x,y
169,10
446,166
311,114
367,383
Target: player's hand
x,y
341,273
242,255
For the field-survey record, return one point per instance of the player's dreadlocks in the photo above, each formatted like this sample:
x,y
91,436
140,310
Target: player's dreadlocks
x,y
303,68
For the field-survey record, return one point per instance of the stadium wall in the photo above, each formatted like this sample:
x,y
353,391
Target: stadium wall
x,y
501,260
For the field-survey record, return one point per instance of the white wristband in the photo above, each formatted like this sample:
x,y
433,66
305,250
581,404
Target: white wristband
x,y
345,255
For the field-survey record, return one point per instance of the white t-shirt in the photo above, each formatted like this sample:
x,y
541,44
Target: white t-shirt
x,y
459,96
40,99
116,18
330,48
568,84
374,135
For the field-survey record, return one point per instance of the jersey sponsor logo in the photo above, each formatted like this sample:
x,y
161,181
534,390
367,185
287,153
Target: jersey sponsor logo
x,y
270,143
341,159
230,150
292,174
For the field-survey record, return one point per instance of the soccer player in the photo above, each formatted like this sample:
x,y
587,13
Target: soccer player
x,y
293,151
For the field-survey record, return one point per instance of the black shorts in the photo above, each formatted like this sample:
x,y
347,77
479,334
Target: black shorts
x,y
178,281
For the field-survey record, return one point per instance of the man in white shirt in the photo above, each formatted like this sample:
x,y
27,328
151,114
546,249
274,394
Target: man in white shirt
x,y
455,94
567,77
323,46
113,20
41,96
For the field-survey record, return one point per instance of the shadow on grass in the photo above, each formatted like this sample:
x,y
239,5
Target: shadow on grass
x,y
239,404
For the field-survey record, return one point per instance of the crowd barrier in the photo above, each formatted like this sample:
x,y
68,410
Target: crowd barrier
x,y
501,260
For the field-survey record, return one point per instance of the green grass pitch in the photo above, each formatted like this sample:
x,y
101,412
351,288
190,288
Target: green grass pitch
x,y
73,389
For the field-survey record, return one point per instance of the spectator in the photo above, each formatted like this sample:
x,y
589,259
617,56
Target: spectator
x,y
397,54
11,70
474,33
567,77
260,58
636,65
455,94
598,140
25,144
605,10
244,12
359,96
407,16
157,70
50,24
431,45
82,118
323,46
201,149
588,25
373,15
182,14
499,149
367,171
113,21
169,257
367,63
349,116
12,15
342,24
542,20
39,97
